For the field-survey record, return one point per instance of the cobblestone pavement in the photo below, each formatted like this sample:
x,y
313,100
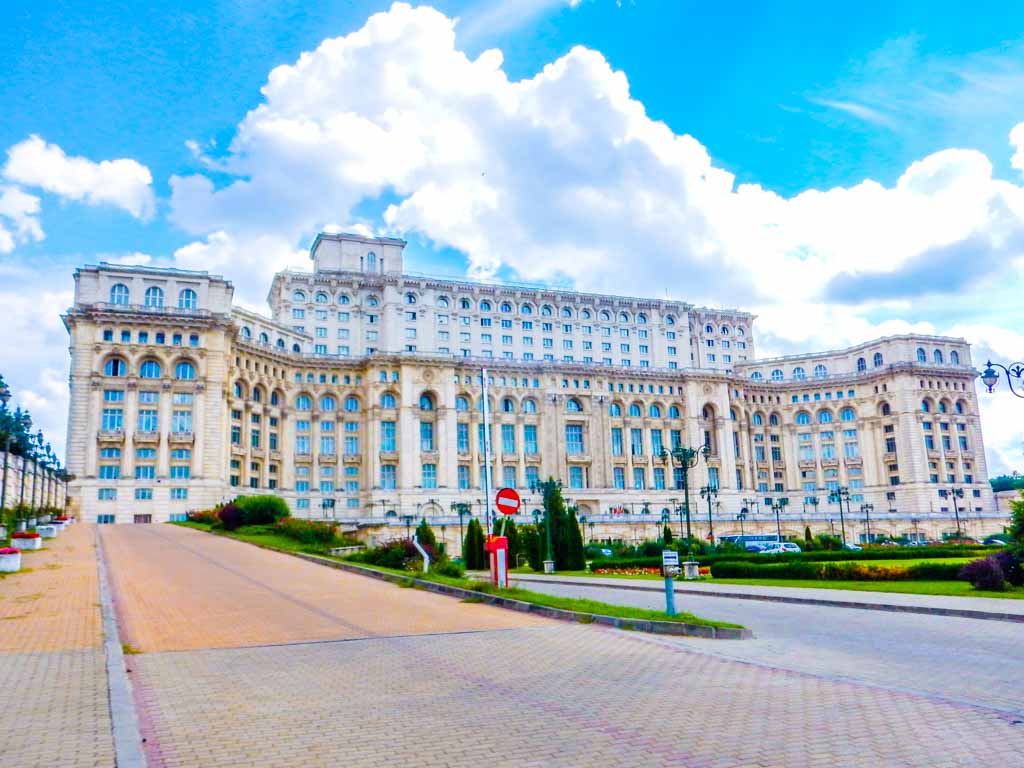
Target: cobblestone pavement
x,y
53,681
179,589
518,694
968,660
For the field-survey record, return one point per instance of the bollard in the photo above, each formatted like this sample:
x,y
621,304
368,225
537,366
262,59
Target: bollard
x,y
670,590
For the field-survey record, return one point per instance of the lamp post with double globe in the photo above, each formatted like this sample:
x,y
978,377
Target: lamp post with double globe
x,y
685,458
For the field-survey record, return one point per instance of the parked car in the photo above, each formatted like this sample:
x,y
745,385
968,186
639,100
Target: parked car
x,y
776,548
852,547
755,548
994,541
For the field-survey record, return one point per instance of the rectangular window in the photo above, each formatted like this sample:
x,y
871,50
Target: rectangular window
x,y
508,476
181,421
106,494
713,477
388,476
532,476
107,472
179,494
143,494
659,478
616,441
530,438
180,472
145,472
113,420
429,475
148,421
576,476
463,477
508,438
639,478
574,439
656,442
462,437
387,436
636,442
327,445
619,477
426,435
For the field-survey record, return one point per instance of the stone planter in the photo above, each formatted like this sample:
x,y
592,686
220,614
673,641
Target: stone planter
x,y
10,562
20,526
35,542
33,522
47,531
3,532
59,527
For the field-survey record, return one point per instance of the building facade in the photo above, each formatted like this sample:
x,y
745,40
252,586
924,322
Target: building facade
x,y
360,397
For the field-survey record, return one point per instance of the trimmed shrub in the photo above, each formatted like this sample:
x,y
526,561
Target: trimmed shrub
x,y
230,517
394,554
985,574
850,571
261,510
934,572
309,532
448,568
1012,567
206,516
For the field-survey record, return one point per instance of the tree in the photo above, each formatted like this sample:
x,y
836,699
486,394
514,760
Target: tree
x,y
1016,529
575,561
808,540
473,553
425,536
507,528
529,543
666,535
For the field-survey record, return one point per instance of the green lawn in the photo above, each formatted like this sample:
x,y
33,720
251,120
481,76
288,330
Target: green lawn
x,y
949,588
264,535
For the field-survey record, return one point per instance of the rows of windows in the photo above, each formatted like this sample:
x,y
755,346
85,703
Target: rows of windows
x,y
116,367
159,337
120,295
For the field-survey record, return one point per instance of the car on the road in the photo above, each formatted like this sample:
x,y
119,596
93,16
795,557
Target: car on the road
x,y
852,547
779,548
755,548
994,541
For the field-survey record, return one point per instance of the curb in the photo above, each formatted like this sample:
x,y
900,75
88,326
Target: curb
x,y
959,613
123,717
640,625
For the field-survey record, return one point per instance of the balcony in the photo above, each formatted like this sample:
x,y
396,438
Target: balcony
x,y
389,455
182,437
237,449
854,461
428,455
352,458
578,458
145,437
889,457
509,458
808,464
833,462
327,458
110,436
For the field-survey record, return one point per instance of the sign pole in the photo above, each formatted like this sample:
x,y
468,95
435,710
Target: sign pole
x,y
670,568
487,451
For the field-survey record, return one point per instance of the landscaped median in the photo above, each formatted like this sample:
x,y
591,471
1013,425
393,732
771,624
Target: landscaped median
x,y
562,608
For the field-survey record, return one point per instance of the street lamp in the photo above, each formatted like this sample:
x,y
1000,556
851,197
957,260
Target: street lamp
x,y
407,519
8,425
990,376
741,516
867,509
710,492
583,527
954,494
777,507
686,458
26,425
838,495
462,509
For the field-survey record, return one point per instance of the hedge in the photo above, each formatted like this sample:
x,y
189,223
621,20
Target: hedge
x,y
835,571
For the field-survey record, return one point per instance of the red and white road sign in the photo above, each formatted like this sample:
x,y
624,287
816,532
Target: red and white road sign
x,y
508,501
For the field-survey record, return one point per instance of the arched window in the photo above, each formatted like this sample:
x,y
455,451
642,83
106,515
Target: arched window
x,y
529,405
442,302
506,307
954,358
275,398
566,312
343,298
773,420
799,374
709,329
239,389
673,411
296,348
328,403
187,299
410,298
264,338
756,376
150,369
352,404
886,410
546,311
862,364
614,409
847,414
257,395
485,306
803,418
154,296
426,402
725,330
119,294
371,262
641,318
465,304
635,411
372,301
708,412
115,366
623,317
922,356
654,411
757,420
299,297
926,406
778,375
184,371
959,407
739,331
732,414
876,361
606,315
526,309
303,403
943,407
937,356
820,371
322,298
585,314
670,320
461,404
573,405
824,417
508,405
388,402
245,332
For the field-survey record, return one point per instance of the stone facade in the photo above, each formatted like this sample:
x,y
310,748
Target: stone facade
x,y
360,398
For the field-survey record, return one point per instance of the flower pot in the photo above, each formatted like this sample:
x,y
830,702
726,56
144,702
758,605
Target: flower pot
x,y
47,531
58,527
3,532
32,522
20,526
27,544
10,562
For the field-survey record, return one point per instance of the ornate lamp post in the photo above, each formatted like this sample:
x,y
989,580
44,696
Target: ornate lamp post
x,y
26,425
867,509
777,507
1014,372
407,519
686,458
838,495
953,494
462,509
8,426
741,516
710,492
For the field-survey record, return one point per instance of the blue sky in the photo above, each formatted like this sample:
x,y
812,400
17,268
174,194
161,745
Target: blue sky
x,y
781,97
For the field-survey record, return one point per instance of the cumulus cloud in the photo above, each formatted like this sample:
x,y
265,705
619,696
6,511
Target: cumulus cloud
x,y
122,183
19,221
1017,141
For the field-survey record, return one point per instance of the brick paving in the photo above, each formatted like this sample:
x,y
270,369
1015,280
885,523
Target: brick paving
x,y
52,668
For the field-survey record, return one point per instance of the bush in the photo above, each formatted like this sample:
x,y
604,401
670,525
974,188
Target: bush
x,y
985,574
261,510
1012,567
832,571
309,532
934,572
394,554
448,568
205,516
230,517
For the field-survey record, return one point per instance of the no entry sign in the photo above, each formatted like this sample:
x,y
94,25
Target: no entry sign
x,y
508,501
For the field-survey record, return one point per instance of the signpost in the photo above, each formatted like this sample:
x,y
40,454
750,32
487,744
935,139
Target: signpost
x,y
508,503
670,569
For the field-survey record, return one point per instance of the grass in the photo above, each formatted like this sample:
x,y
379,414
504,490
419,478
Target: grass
x,y
264,535
944,588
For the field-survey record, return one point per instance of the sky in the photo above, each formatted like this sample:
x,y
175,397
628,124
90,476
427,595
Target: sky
x,y
845,176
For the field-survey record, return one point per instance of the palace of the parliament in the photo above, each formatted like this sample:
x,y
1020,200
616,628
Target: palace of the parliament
x,y
359,397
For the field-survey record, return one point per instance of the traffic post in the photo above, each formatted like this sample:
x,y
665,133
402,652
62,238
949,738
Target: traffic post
x,y
508,503
670,569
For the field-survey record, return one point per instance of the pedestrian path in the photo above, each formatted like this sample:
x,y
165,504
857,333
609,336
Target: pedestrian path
x,y
52,665
969,607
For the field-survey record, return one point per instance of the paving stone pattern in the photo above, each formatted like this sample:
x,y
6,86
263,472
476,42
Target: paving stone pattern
x,y
52,667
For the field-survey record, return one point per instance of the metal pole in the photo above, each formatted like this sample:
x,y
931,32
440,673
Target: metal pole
x,y
686,503
21,494
3,490
778,521
842,521
956,511
487,450
711,525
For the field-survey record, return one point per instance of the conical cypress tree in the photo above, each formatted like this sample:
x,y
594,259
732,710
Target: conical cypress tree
x,y
575,560
425,535
666,535
473,547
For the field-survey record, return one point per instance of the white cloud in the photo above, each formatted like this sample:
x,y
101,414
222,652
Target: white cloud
x,y
123,183
1017,141
19,221
495,17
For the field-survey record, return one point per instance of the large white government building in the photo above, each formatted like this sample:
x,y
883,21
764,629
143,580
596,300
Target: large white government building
x,y
359,398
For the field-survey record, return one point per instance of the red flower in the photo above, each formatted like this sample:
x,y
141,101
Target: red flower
x,y
61,519
25,535
9,551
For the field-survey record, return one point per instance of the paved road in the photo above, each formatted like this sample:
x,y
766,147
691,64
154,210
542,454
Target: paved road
x,y
966,660
398,677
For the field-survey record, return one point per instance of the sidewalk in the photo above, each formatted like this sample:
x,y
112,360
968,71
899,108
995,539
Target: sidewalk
x,y
937,605
52,664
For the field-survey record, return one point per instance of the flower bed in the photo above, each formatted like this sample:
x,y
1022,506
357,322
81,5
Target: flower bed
x,y
24,540
628,571
10,560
